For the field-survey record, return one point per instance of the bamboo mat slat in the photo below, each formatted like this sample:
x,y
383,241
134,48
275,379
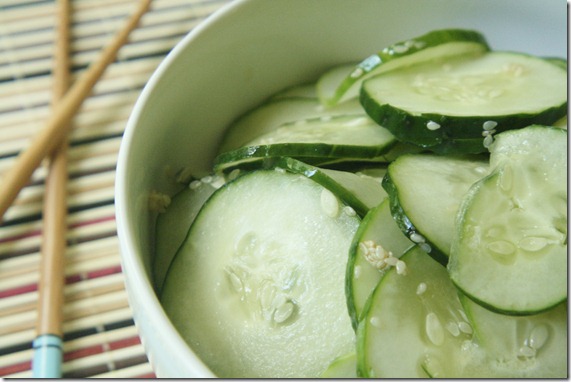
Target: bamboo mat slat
x,y
100,338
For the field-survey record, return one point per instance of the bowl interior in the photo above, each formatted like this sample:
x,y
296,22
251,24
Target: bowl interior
x,y
239,56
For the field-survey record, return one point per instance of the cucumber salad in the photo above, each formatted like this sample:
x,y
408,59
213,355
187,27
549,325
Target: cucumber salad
x,y
403,216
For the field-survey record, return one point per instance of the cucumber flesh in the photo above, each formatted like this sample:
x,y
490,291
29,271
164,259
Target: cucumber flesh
x,y
297,91
328,83
410,319
359,192
561,123
435,44
532,346
342,367
426,191
274,113
510,249
416,325
458,99
364,269
346,138
172,225
255,289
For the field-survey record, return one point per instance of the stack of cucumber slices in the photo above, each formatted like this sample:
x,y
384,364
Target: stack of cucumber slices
x,y
401,217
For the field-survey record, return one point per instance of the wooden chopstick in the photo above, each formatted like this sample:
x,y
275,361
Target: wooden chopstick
x,y
56,127
48,351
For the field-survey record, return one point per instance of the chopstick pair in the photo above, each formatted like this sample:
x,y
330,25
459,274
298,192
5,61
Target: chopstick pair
x,y
52,142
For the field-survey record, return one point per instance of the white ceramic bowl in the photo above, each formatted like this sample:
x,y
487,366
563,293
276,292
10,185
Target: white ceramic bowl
x,y
240,55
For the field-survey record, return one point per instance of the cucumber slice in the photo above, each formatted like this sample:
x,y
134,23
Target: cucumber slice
x,y
328,83
417,326
410,320
316,140
359,192
467,97
561,62
425,191
562,123
510,246
342,367
296,91
521,347
365,268
172,225
274,113
255,288
435,44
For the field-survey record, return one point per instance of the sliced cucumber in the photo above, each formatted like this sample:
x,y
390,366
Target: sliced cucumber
x,y
425,191
521,347
359,192
432,45
328,84
410,320
464,98
510,247
561,123
342,367
561,62
255,288
172,225
377,236
315,140
297,91
274,113
416,326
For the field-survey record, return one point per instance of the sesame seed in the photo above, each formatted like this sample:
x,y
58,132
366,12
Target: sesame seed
x,y
357,272
392,261
217,181
417,238
349,211
234,174
400,49
421,288
425,247
401,267
206,179
489,125
357,122
329,203
431,125
158,202
356,73
195,184
375,321
488,141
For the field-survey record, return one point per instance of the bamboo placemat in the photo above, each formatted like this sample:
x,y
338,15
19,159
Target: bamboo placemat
x,y
100,339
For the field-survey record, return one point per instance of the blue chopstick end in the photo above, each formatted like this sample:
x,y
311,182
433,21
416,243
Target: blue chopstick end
x,y
47,356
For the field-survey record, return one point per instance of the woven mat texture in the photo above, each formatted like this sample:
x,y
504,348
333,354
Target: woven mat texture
x,y
100,337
